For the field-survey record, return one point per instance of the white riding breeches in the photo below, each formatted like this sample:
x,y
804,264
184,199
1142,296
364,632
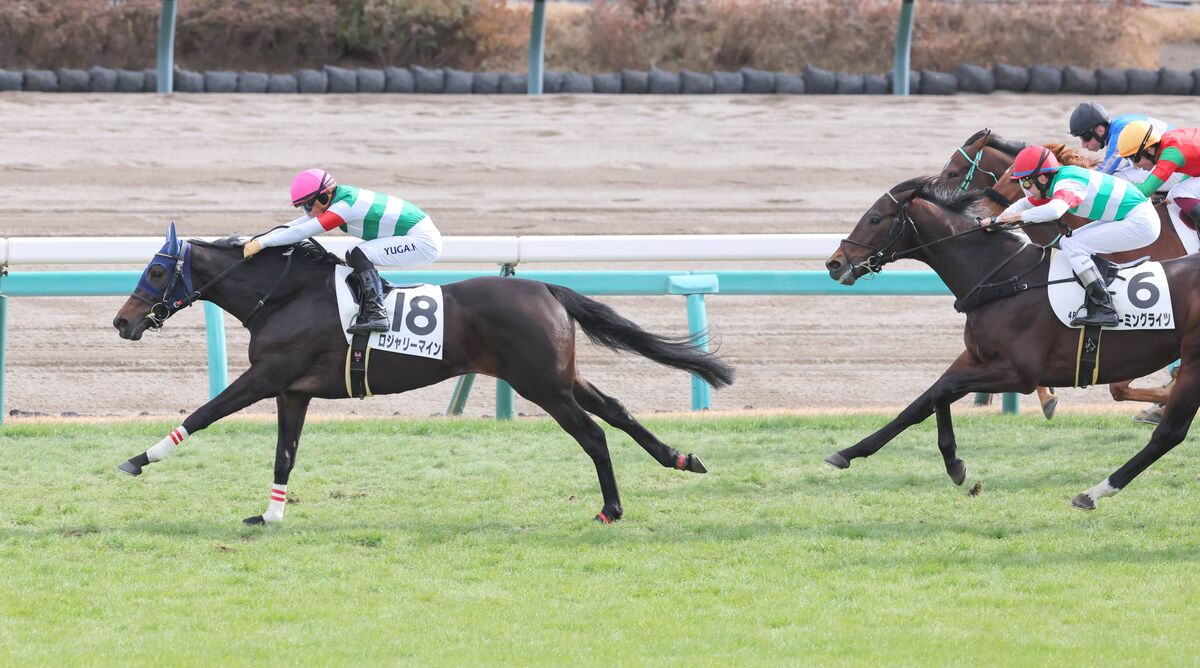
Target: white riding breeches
x,y
1187,190
1139,228
421,245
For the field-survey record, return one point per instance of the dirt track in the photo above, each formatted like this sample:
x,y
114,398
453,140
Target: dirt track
x,y
84,165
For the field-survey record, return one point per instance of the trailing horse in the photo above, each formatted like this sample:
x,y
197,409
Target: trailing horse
x,y
518,330
1013,344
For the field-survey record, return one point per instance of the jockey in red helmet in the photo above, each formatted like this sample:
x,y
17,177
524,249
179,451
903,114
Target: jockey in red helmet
x,y
395,233
1122,219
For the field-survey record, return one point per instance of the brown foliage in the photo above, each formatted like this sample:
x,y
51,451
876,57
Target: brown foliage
x,y
845,35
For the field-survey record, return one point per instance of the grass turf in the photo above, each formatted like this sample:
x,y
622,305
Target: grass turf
x,y
467,542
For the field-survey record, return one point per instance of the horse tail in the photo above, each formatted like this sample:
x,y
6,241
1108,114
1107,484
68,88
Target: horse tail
x,y
607,328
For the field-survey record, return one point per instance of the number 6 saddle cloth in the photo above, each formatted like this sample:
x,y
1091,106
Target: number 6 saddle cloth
x,y
415,311
1140,294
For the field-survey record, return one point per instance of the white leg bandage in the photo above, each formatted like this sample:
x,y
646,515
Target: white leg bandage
x,y
275,506
160,450
1102,490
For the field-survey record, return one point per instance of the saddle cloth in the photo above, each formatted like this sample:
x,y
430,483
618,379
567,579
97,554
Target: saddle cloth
x,y
417,328
1140,294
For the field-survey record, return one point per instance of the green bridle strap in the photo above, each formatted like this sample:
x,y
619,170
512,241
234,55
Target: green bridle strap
x,y
966,184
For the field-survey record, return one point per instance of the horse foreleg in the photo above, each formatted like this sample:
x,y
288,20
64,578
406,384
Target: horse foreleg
x,y
290,411
915,413
1000,376
1177,417
255,384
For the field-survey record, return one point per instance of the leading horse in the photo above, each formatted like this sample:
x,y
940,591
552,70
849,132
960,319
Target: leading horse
x,y
518,330
1016,343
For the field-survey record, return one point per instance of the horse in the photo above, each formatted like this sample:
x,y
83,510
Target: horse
x,y
1014,343
518,330
983,163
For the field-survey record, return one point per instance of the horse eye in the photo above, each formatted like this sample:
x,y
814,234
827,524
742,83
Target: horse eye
x,y
874,220
953,175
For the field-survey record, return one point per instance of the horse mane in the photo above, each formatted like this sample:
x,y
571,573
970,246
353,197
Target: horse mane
x,y
308,249
944,195
1010,146
1070,156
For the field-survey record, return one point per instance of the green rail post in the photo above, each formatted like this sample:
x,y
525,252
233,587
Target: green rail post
x,y
695,286
166,48
1011,403
214,329
3,346
903,48
537,47
504,391
462,390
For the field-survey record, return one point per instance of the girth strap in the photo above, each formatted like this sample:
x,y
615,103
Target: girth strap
x,y
1087,359
358,357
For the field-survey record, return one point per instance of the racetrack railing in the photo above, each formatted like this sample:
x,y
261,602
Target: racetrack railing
x,y
507,253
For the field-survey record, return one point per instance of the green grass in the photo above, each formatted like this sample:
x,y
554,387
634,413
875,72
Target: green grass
x,y
463,542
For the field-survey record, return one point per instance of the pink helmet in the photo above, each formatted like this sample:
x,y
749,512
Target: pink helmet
x,y
310,183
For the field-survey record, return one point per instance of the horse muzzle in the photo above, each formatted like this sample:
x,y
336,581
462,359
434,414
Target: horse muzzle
x,y
842,270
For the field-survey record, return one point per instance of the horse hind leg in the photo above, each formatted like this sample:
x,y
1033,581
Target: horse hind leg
x,y
611,411
1177,418
562,406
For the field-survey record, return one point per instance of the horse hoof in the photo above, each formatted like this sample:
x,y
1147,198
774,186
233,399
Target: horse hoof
x,y
1049,406
695,465
129,468
604,518
837,461
257,520
1083,502
958,472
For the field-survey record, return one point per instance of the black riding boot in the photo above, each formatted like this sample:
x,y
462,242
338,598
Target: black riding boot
x,y
1099,306
371,315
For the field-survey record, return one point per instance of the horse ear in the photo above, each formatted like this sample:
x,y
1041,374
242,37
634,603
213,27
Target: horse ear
x,y
172,240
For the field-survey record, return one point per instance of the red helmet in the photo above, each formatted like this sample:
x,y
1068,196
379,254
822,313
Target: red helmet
x,y
1033,160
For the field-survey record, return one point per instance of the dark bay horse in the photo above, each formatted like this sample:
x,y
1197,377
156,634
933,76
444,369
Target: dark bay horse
x,y
982,164
517,330
1013,344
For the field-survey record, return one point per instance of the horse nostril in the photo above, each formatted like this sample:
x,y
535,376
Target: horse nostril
x,y
833,265
119,322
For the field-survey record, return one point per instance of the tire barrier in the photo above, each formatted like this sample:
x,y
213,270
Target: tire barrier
x,y
966,78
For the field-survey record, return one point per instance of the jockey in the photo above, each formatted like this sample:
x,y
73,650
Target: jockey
x,y
395,233
1169,154
1122,219
1090,122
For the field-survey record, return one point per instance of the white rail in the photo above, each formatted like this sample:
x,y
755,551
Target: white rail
x,y
16,251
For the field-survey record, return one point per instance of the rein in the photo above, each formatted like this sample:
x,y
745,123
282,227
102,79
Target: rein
x,y
875,262
164,308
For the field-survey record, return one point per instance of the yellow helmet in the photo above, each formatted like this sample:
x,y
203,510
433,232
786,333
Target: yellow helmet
x,y
1135,137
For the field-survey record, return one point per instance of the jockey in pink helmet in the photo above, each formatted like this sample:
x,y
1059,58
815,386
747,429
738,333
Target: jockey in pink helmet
x,y
395,233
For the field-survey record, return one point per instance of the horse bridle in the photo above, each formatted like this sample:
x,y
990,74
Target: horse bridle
x,y
165,307
966,184
879,255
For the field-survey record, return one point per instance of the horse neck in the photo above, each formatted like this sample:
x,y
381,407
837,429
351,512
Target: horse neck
x,y
964,261
236,293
